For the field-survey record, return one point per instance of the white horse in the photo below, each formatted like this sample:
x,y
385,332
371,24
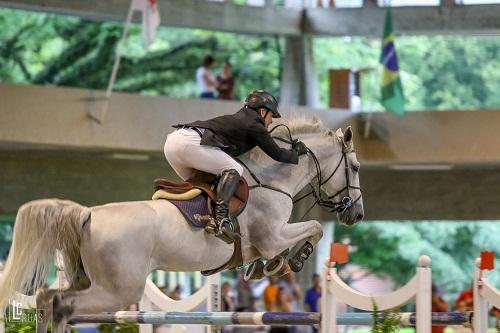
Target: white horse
x,y
110,250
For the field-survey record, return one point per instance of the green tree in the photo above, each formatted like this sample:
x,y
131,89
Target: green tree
x,y
392,248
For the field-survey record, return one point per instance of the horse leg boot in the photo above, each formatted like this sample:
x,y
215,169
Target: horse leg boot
x,y
296,262
227,185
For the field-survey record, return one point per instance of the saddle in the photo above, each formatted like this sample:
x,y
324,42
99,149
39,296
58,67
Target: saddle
x,y
195,198
203,184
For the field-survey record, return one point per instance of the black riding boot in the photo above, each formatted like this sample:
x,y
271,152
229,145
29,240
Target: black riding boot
x,y
227,185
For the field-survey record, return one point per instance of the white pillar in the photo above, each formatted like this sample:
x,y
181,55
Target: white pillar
x,y
299,83
214,300
424,295
480,319
322,249
328,303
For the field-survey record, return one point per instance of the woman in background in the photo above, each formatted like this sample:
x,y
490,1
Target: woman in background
x,y
225,82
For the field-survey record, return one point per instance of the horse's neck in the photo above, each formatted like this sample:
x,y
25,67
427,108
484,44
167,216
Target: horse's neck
x,y
293,178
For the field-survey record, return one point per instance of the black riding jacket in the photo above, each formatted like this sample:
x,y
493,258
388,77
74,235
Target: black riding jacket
x,y
240,132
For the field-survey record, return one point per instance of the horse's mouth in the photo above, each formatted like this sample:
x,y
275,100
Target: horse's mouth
x,y
350,218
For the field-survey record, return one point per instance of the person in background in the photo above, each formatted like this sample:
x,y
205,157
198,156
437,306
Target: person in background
x,y
438,305
495,312
176,293
207,84
281,304
245,294
270,293
313,294
292,289
228,304
465,300
226,82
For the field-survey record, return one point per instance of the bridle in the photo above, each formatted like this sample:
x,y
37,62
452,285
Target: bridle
x,y
327,203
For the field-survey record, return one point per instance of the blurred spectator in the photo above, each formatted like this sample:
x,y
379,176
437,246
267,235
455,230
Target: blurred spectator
x,y
227,298
270,293
207,83
313,295
245,294
464,302
495,312
438,305
281,304
226,82
311,301
292,289
176,293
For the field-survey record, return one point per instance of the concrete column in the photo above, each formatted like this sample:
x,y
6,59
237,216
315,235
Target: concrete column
x,y
299,83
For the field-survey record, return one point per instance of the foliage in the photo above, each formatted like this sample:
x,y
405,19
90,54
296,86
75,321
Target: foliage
x,y
384,321
119,328
439,72
392,248
26,326
51,49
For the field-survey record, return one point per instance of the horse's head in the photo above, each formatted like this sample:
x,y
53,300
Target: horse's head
x,y
342,185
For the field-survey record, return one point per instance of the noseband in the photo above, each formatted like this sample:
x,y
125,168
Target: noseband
x,y
329,204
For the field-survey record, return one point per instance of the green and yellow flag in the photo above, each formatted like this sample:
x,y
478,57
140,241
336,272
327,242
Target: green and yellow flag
x,y
392,90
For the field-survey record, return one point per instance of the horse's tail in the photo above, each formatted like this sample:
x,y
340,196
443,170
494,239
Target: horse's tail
x,y
41,227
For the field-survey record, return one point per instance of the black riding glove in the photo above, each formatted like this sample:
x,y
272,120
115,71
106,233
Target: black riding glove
x,y
299,147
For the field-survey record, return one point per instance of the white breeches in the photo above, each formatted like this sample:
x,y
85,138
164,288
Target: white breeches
x,y
185,154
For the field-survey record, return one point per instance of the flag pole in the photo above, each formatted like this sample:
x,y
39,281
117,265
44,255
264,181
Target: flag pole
x,y
118,55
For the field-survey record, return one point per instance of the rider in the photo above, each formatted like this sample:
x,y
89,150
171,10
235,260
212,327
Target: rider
x,y
211,146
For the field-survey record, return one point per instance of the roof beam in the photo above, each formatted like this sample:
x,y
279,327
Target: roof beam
x,y
226,16
448,18
219,16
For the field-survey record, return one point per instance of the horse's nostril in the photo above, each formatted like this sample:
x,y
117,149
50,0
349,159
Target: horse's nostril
x,y
359,217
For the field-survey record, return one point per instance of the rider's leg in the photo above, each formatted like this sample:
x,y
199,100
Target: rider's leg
x,y
227,185
186,153
174,148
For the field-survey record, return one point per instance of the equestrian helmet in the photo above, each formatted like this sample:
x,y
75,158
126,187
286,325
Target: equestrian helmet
x,y
262,99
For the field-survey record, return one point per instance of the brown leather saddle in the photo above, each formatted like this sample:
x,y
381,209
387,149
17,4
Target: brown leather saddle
x,y
206,182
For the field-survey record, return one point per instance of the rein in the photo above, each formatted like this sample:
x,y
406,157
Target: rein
x,y
332,206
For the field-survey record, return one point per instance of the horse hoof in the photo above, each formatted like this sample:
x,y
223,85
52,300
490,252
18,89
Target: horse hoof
x,y
296,265
255,271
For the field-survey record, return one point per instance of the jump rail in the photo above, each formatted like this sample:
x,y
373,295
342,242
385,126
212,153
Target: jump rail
x,y
259,318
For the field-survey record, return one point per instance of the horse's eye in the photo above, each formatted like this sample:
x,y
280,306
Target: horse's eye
x,y
355,167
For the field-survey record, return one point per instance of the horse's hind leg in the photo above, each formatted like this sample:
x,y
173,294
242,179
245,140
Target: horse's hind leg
x,y
44,308
91,300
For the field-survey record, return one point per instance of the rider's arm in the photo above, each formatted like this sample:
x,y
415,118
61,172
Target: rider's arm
x,y
264,140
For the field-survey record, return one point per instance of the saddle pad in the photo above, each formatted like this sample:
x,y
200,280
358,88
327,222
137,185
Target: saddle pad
x,y
195,211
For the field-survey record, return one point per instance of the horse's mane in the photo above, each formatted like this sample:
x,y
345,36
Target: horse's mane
x,y
298,125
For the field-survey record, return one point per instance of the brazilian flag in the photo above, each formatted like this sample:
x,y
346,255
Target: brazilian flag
x,y
392,90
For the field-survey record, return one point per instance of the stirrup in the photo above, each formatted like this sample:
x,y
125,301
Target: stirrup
x,y
225,231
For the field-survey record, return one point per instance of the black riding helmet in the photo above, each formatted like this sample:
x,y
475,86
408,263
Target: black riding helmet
x,y
262,99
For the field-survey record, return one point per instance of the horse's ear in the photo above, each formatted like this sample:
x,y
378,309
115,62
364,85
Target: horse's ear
x,y
348,135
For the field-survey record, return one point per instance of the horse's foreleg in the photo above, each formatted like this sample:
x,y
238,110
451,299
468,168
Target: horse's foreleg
x,y
297,259
287,236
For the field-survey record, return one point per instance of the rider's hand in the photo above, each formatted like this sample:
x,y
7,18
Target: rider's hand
x,y
299,147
